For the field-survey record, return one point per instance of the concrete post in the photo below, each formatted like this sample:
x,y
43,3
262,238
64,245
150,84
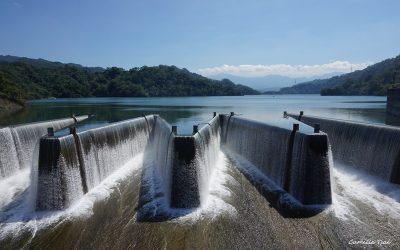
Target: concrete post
x,y
317,127
296,127
214,114
50,131
195,129
284,114
175,130
72,130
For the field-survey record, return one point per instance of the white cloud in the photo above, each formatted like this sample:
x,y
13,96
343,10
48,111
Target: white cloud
x,y
284,69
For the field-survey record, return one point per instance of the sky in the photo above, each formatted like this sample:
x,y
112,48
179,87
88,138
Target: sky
x,y
240,37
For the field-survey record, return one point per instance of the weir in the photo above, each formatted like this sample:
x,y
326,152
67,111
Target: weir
x,y
292,162
71,165
193,163
372,148
19,142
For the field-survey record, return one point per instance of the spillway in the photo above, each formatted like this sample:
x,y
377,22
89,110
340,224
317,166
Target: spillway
x,y
194,159
19,143
294,164
291,167
70,166
372,148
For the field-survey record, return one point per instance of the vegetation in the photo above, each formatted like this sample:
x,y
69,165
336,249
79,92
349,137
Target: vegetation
x,y
24,78
374,80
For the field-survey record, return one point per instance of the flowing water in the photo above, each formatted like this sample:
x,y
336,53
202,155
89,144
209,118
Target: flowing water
x,y
233,213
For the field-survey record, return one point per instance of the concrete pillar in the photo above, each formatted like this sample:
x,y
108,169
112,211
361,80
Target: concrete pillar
x,y
50,131
175,130
195,129
317,127
72,130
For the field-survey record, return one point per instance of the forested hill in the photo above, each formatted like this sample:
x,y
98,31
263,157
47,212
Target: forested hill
x,y
373,80
24,78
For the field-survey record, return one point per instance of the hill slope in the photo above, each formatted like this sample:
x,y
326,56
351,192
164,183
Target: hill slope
x,y
38,78
373,80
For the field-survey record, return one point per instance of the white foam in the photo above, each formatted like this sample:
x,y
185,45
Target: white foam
x,y
18,220
352,188
214,204
12,186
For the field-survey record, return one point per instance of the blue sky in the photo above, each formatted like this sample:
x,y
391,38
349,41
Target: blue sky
x,y
204,36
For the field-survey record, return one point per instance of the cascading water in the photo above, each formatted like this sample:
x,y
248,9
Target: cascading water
x,y
294,163
71,165
60,181
371,148
107,148
160,153
262,145
20,142
207,143
26,137
8,153
156,178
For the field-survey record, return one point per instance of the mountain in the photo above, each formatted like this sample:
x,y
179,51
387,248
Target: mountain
x,y
373,80
25,78
270,82
42,63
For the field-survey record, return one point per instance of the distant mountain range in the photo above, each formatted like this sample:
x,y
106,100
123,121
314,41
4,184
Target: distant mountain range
x,y
373,80
270,82
25,78
42,63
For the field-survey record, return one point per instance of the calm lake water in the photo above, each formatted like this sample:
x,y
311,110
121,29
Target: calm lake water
x,y
187,111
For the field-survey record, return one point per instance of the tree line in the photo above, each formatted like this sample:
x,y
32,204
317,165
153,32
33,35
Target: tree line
x,y
23,80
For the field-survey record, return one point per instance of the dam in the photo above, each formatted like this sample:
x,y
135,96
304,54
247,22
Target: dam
x,y
140,181
295,169
374,149
20,141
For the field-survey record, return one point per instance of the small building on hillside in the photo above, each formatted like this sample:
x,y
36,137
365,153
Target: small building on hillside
x,y
393,101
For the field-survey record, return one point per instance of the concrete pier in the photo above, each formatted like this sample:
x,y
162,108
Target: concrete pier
x,y
292,158
372,148
18,142
393,102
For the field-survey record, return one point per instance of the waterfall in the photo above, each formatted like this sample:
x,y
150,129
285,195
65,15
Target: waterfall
x,y
72,165
106,148
368,147
21,140
290,167
263,145
161,153
207,144
8,153
60,181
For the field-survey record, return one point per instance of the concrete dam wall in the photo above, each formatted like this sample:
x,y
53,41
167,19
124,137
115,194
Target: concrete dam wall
x,y
18,143
69,166
295,163
193,163
393,102
292,159
374,149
